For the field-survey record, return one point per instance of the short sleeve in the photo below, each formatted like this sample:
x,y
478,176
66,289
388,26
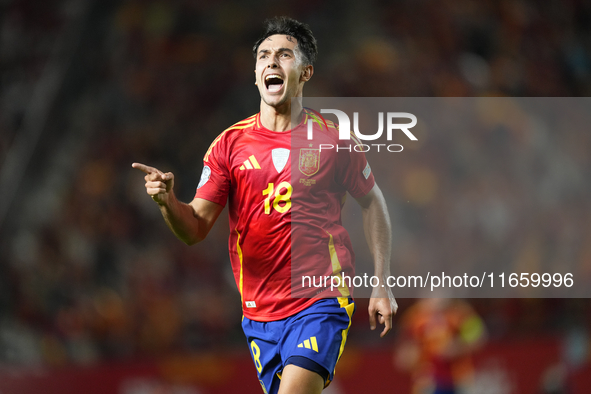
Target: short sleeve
x,y
354,172
214,184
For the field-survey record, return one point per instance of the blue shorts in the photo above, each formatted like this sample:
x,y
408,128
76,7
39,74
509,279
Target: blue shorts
x,y
313,339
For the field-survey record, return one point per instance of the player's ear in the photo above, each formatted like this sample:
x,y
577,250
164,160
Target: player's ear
x,y
307,73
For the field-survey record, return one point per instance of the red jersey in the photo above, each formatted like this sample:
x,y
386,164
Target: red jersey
x,y
285,195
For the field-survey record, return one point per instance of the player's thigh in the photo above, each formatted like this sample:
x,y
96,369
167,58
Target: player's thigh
x,y
297,380
263,340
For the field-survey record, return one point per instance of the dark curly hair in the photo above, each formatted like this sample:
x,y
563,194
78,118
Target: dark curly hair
x,y
298,30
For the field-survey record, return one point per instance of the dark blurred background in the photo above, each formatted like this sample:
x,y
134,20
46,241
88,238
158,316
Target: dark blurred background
x,y
97,294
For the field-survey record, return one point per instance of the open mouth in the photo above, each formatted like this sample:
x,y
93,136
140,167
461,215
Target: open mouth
x,y
274,82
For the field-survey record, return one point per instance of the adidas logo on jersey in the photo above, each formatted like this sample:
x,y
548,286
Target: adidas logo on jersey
x,y
310,344
250,164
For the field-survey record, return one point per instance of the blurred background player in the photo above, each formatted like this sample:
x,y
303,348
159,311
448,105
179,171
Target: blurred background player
x,y
438,338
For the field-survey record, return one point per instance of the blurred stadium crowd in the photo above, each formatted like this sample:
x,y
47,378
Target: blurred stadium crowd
x,y
88,270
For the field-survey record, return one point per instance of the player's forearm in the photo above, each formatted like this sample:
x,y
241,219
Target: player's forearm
x,y
378,233
183,222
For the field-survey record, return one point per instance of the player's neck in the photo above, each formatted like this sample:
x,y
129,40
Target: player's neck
x,y
278,119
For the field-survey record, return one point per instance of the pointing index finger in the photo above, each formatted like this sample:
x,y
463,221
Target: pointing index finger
x,y
147,169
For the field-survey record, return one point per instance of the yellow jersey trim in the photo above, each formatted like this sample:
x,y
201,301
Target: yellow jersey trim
x,y
240,280
248,122
354,138
336,265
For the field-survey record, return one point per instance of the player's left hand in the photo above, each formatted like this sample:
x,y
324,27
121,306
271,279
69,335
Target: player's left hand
x,y
382,306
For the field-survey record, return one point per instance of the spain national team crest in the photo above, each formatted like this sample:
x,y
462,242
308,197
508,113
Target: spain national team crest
x,y
309,161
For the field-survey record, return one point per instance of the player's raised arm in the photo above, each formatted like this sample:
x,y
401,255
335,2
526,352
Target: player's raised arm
x,y
189,222
378,233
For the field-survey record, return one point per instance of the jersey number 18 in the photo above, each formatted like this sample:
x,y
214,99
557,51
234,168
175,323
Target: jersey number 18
x,y
278,197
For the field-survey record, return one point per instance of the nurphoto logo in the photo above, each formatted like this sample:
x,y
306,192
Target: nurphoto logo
x,y
345,130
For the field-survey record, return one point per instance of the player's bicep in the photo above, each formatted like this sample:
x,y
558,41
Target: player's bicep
x,y
206,211
374,195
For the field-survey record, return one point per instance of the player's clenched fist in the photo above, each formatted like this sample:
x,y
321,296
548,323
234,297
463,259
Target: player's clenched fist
x,y
158,184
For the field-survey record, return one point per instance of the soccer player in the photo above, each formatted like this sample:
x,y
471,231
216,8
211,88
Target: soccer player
x,y
284,207
437,341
